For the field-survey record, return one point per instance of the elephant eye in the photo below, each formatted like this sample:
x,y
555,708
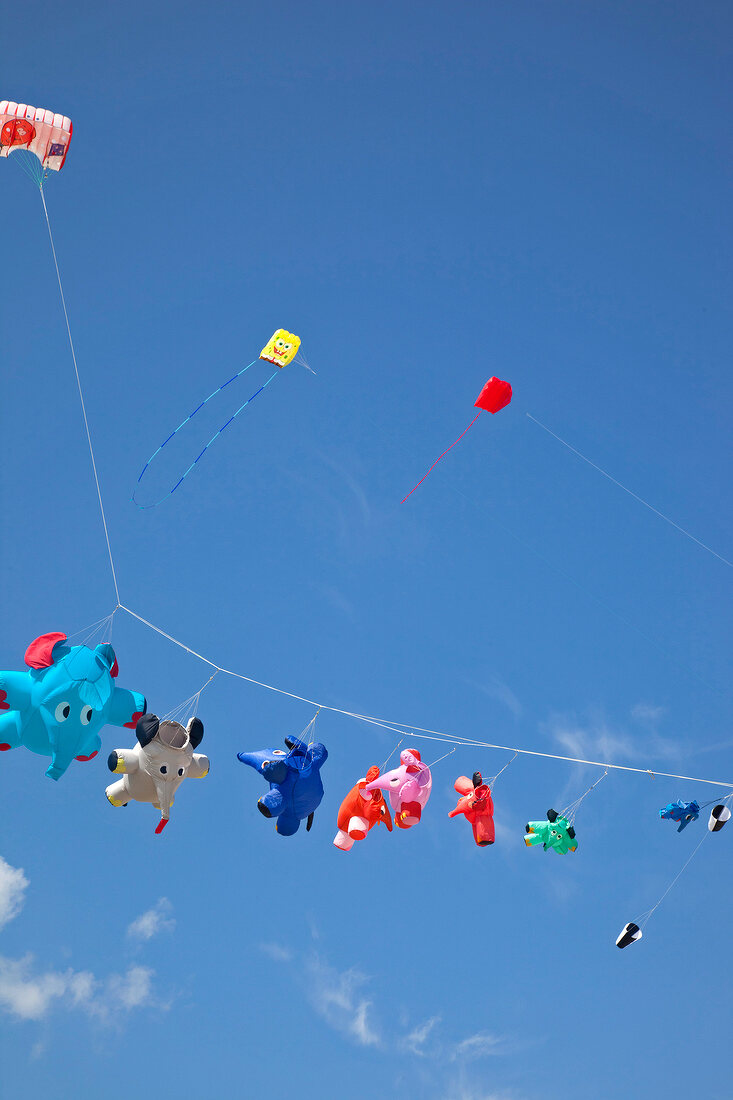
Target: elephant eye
x,y
278,752
86,715
164,770
180,771
62,712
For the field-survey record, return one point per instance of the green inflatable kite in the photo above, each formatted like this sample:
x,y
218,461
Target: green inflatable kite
x,y
555,833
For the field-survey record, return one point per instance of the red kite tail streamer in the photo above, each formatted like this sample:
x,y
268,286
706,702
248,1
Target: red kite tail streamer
x,y
460,437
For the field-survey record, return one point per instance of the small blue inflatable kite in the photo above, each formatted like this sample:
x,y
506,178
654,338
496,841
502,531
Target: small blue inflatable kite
x,y
684,812
296,789
59,706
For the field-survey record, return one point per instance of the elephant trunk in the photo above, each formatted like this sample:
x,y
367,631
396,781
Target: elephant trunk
x,y
164,793
61,757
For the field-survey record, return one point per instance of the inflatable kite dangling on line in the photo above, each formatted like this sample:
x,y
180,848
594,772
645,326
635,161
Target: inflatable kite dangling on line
x,y
154,769
683,812
59,706
555,833
409,788
296,789
495,396
477,806
360,811
281,349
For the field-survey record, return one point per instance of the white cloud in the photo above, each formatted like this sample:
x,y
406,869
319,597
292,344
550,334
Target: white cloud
x,y
31,995
13,885
133,989
336,997
480,1045
27,993
277,952
415,1041
153,921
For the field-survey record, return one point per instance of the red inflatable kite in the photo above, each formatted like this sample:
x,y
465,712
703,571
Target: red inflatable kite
x,y
476,803
360,811
494,396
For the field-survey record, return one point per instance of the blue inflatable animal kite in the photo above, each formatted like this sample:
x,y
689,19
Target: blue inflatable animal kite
x,y
684,812
296,789
59,706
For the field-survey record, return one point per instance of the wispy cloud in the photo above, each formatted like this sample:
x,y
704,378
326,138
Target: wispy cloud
x,y
497,689
481,1045
152,921
276,952
593,737
415,1041
13,885
338,998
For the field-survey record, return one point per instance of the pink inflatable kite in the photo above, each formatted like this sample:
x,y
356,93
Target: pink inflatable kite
x,y
409,788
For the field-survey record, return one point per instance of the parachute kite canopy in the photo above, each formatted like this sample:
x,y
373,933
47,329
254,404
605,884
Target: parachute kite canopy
x,y
494,396
37,130
555,833
684,812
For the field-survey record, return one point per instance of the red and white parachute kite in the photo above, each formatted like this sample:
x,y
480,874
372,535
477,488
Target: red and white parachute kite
x,y
42,132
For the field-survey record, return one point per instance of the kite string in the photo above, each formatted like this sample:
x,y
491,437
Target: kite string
x,y
443,757
570,812
491,783
631,494
216,435
644,920
418,731
460,437
81,397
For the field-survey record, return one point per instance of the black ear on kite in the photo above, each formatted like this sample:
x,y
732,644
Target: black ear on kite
x,y
195,730
146,728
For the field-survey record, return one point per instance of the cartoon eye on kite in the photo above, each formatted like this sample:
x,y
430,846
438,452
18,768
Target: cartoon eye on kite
x,y
495,396
86,715
35,130
280,350
62,712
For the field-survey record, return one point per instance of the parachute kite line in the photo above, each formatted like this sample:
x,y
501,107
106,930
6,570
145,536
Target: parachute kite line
x,y
280,350
494,396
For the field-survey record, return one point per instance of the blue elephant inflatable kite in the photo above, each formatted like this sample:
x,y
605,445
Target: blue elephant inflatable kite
x,y
684,812
296,789
59,706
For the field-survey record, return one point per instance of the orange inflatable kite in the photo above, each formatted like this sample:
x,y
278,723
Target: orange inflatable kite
x,y
360,811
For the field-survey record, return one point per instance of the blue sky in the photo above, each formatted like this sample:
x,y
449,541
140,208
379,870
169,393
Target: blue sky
x,y
428,197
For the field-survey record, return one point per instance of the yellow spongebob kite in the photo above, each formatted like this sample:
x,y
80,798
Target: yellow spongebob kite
x,y
281,348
